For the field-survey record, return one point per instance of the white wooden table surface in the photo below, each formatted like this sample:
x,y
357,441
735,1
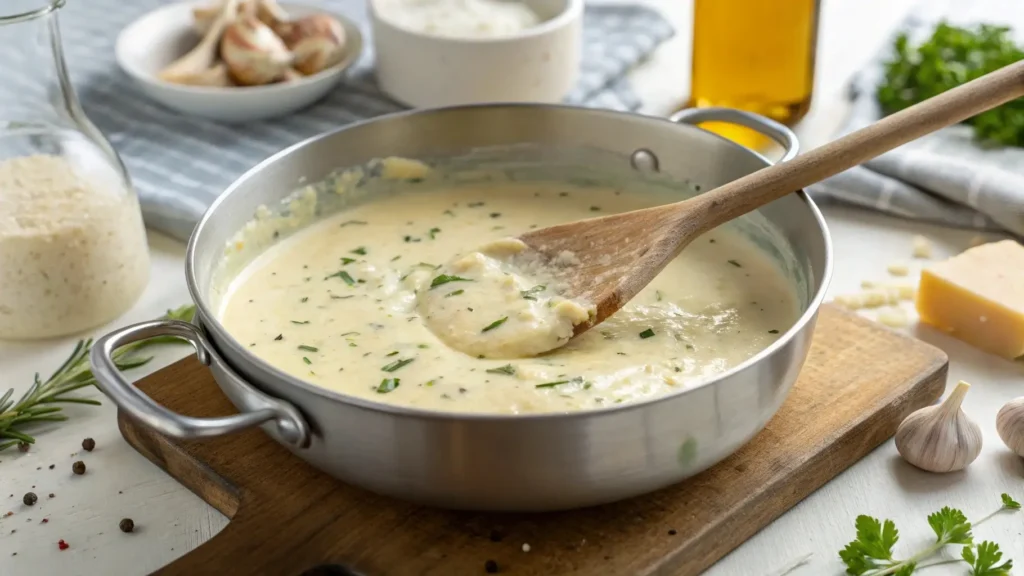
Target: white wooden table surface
x,y
171,521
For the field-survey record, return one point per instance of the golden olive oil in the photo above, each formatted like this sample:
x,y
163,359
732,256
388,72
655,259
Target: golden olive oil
x,y
755,55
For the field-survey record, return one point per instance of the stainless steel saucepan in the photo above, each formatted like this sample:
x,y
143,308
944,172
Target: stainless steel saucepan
x,y
497,462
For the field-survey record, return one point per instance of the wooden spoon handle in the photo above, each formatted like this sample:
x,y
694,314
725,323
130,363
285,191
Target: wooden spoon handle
x,y
951,107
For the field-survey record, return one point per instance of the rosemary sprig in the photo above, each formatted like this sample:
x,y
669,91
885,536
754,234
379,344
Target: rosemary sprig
x,y
37,404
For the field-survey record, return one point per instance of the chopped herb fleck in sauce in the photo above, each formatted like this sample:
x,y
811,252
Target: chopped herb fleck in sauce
x,y
344,276
395,353
300,321
454,293
396,258
595,208
735,263
361,251
279,337
307,360
495,214
506,369
475,204
308,348
551,384
398,364
647,333
350,334
345,260
494,324
388,385
446,278
304,299
530,294
433,232
773,331
336,297
353,222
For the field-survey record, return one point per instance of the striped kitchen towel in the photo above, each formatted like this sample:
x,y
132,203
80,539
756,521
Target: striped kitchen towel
x,y
180,164
946,177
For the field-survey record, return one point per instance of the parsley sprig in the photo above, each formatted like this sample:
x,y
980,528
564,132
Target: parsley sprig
x,y
871,553
950,57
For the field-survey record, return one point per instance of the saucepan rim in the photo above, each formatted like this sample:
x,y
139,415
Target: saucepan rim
x,y
221,337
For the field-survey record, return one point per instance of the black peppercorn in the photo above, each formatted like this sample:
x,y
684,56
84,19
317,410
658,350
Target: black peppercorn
x,y
78,467
30,498
88,444
23,446
491,567
126,525
672,532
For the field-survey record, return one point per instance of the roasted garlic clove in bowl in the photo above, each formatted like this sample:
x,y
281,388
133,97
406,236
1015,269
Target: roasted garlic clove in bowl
x,y
147,47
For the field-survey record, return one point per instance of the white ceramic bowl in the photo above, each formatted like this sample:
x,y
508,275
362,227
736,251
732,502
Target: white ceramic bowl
x,y
540,64
156,39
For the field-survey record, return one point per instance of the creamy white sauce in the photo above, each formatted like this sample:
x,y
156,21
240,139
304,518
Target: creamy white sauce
x,y
339,305
459,18
530,314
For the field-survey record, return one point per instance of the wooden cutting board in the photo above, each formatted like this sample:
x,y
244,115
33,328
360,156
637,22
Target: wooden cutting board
x,y
287,518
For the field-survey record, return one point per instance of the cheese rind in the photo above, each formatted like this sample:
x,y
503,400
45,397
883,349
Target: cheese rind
x,y
978,297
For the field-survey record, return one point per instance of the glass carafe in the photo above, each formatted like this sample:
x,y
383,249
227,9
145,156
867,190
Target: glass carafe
x,y
73,252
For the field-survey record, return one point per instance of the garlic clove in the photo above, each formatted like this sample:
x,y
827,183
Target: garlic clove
x,y
940,438
217,75
202,57
317,41
292,75
203,17
1010,425
271,14
253,53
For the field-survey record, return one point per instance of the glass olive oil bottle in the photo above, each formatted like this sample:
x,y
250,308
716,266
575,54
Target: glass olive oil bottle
x,y
755,55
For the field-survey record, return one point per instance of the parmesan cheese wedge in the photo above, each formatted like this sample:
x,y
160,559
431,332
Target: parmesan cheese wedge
x,y
978,297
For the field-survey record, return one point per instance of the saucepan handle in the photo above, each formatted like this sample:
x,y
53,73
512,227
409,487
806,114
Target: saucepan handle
x,y
291,427
770,128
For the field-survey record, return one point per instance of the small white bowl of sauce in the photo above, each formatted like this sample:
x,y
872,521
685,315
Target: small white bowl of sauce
x,y
432,53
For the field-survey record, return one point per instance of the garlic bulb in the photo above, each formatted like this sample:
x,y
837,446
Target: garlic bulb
x,y
1010,424
940,438
253,53
317,41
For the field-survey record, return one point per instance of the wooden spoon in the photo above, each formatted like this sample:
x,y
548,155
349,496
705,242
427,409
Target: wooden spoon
x,y
620,254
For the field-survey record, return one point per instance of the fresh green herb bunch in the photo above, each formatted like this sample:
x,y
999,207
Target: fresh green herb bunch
x,y
951,57
38,403
871,553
